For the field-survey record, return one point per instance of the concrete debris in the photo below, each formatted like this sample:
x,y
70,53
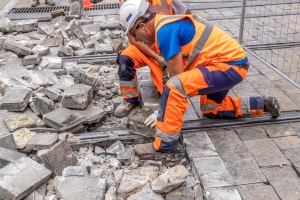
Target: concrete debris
x,y
84,52
171,179
22,136
58,157
75,171
5,25
8,156
24,26
126,156
40,50
77,96
41,141
57,13
116,147
17,48
43,104
7,141
31,59
15,99
22,177
146,193
16,122
65,51
78,188
49,62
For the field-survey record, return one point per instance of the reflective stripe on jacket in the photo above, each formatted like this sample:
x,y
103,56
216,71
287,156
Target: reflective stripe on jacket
x,y
209,45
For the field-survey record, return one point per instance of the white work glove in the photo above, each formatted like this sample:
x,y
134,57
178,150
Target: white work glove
x,y
151,120
161,61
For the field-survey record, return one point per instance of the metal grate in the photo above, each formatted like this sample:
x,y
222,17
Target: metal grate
x,y
66,8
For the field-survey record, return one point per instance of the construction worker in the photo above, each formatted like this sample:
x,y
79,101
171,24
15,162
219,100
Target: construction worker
x,y
37,2
133,57
202,60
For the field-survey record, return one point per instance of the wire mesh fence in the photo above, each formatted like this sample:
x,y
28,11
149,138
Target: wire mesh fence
x,y
272,30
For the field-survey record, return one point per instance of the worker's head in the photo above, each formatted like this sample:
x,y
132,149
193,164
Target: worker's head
x,y
134,15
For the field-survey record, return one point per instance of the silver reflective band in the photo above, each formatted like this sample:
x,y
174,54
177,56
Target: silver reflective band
x,y
167,137
128,84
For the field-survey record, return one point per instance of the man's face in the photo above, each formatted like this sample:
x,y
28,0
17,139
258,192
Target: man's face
x,y
141,33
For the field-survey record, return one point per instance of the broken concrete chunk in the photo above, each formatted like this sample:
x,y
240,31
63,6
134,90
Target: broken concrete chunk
x,y
57,13
15,99
78,188
53,93
22,177
77,96
5,25
75,44
103,48
38,194
62,117
91,29
42,141
146,193
59,157
115,34
31,60
75,171
50,62
24,26
43,78
40,50
64,82
116,44
34,109
116,147
8,156
181,193
36,36
22,136
65,51
84,52
92,114
126,156
73,29
7,141
51,42
43,104
171,179
17,48
16,122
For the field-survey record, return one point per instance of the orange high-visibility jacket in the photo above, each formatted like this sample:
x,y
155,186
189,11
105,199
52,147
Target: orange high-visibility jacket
x,y
210,43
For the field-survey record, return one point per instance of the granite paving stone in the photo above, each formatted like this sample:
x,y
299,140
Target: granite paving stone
x,y
266,153
198,145
7,141
293,156
227,141
289,142
211,172
255,192
285,182
223,193
279,130
42,141
8,156
251,133
243,168
296,127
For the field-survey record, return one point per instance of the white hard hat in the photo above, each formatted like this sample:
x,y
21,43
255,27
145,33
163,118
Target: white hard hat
x,y
130,11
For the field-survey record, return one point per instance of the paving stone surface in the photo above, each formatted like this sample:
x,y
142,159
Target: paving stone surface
x,y
7,141
8,156
243,168
251,133
289,142
293,156
211,172
42,141
279,130
227,141
255,192
285,182
223,193
266,153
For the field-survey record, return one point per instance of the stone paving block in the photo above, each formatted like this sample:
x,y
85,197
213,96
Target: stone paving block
x,y
42,141
65,51
266,153
296,127
243,168
211,172
290,142
227,141
36,36
84,52
223,193
92,113
255,192
279,130
62,117
30,59
43,104
40,50
285,182
198,144
43,78
103,48
15,99
53,93
77,96
24,25
22,177
293,156
17,48
251,133
5,25
7,141
20,121
58,157
79,188
8,156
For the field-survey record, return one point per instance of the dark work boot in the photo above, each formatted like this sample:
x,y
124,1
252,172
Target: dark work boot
x,y
124,109
50,2
272,106
35,3
144,149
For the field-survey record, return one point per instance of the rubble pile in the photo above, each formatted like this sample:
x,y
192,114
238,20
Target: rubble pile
x,y
46,100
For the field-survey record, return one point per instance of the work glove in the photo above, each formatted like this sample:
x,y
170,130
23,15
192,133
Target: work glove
x,y
151,120
161,61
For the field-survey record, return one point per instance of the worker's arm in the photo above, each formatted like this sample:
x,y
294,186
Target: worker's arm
x,y
180,8
175,65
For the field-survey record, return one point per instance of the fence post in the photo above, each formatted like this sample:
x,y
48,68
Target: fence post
x,y
242,21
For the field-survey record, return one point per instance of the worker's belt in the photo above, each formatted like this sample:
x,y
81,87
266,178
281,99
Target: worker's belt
x,y
244,66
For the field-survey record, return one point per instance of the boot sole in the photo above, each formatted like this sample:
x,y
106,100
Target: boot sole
x,y
273,107
120,116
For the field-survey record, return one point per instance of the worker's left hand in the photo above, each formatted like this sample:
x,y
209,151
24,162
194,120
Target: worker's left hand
x,y
151,120
161,61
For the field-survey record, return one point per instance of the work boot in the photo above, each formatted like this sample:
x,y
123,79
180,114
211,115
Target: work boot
x,y
144,149
124,108
272,106
35,3
50,2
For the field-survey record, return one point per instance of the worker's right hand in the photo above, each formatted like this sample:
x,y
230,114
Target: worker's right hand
x,y
151,120
161,61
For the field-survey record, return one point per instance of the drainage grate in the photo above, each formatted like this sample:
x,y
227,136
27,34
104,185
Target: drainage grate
x,y
44,12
